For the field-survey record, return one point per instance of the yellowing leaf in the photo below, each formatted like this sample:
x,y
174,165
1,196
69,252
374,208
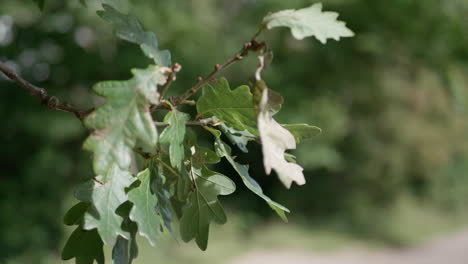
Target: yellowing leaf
x,y
310,21
275,141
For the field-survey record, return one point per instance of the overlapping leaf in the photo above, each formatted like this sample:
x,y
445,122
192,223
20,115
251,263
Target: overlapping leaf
x,y
310,21
174,135
223,150
125,250
164,196
74,216
124,118
238,138
85,246
128,28
203,206
143,211
106,194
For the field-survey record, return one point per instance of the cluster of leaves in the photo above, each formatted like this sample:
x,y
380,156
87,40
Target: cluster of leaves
x,y
147,180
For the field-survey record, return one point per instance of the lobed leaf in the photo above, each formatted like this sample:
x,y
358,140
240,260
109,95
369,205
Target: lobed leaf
x,y
234,108
275,141
124,118
174,135
203,206
106,194
75,215
310,21
164,198
143,211
129,28
85,246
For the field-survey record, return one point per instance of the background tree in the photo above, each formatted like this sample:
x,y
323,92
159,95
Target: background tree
x,y
390,102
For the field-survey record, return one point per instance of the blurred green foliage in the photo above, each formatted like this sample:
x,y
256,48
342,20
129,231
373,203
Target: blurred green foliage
x,y
391,102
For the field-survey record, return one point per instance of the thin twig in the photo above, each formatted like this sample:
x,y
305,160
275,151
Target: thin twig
x,y
212,121
51,102
252,45
172,77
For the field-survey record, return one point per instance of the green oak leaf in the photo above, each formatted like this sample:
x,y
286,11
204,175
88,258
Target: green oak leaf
x,y
124,119
85,246
144,208
203,206
129,28
164,198
106,194
302,131
223,150
235,108
310,21
200,155
75,214
125,251
174,135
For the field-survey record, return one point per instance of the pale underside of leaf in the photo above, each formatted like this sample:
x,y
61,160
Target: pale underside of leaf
x,y
275,141
310,21
124,119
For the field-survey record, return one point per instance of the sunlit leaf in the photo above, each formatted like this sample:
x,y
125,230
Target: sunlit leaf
x,y
310,21
275,141
124,118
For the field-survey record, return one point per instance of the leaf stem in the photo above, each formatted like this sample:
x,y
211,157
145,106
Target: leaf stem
x,y
51,102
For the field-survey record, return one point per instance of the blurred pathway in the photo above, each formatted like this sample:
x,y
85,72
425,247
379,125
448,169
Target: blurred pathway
x,y
452,249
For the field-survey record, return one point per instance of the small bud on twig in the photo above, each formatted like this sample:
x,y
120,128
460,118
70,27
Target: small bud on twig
x,y
176,67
